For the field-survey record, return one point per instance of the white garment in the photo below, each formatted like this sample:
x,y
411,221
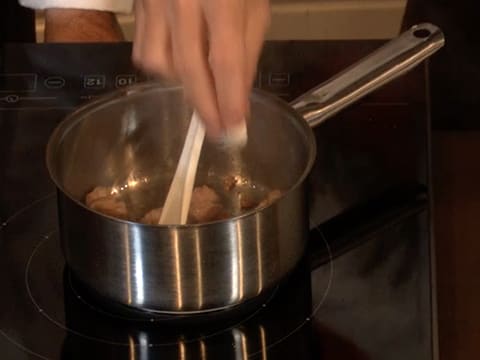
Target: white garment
x,y
118,6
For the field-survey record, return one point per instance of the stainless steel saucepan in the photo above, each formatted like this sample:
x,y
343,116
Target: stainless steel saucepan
x,y
129,142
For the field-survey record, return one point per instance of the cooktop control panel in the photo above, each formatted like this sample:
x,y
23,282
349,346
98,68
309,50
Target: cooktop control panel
x,y
72,77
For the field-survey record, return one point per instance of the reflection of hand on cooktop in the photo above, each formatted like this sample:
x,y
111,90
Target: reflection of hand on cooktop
x,y
400,244
333,346
342,174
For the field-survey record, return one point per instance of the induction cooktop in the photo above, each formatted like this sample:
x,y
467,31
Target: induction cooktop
x,y
364,290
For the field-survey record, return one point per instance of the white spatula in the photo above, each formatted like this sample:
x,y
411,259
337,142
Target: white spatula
x,y
177,204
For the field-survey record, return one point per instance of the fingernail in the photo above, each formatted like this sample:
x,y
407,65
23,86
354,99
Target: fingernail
x,y
236,135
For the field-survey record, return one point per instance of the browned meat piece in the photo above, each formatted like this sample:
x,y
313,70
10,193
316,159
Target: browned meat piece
x,y
271,197
97,193
223,214
102,200
110,206
247,201
205,205
152,217
229,182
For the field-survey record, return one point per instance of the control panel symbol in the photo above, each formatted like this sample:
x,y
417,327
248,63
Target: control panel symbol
x,y
12,98
125,80
94,81
54,82
18,83
279,79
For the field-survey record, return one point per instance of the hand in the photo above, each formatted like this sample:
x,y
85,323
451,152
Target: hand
x,y
71,25
211,46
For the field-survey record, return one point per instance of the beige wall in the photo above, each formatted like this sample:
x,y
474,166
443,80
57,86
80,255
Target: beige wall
x,y
319,19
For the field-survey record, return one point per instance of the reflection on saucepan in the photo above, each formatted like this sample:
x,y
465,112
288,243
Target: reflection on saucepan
x,y
284,328
278,329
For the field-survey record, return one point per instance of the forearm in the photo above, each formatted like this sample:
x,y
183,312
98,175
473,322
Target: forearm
x,y
81,20
74,25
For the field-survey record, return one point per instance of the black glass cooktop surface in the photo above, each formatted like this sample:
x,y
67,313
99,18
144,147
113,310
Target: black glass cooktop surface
x,y
363,290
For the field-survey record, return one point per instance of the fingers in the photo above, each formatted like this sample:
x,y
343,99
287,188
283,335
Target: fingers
x,y
257,23
212,45
139,32
226,27
152,50
190,53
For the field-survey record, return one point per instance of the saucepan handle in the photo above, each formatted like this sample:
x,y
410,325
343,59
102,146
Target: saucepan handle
x,y
393,59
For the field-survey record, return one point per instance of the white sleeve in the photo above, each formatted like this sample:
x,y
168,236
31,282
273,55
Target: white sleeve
x,y
118,6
